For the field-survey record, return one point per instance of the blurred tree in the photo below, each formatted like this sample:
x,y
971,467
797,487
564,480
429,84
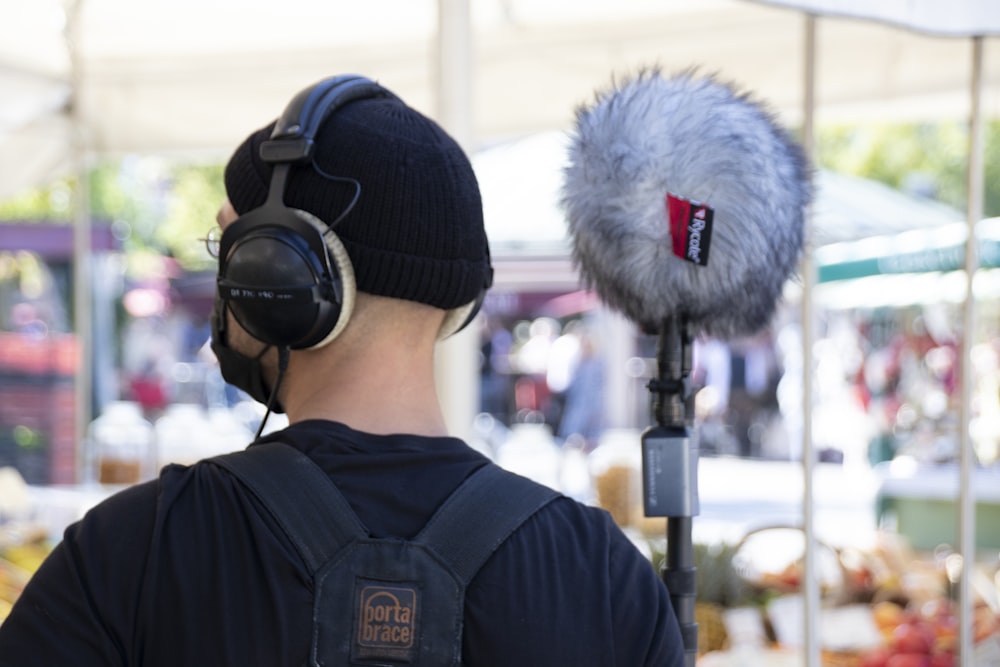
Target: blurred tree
x,y
928,160
52,203
195,198
156,206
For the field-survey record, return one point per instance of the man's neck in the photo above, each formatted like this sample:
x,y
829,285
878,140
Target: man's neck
x,y
382,386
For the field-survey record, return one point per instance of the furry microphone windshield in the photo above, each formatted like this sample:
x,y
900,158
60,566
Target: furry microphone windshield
x,y
685,198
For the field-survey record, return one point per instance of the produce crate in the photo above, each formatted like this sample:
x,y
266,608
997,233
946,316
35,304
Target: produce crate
x,y
921,504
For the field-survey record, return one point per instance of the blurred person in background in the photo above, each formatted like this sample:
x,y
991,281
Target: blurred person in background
x,y
583,413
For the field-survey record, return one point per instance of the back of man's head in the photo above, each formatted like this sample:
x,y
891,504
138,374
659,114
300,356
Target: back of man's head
x,y
416,231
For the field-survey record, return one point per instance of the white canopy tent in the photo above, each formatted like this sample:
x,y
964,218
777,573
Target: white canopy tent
x,y
82,78
193,77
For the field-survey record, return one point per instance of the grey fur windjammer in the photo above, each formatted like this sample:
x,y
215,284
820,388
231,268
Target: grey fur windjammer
x,y
704,141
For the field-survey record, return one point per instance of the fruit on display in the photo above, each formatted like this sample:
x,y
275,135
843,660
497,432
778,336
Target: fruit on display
x,y
924,635
23,543
897,605
17,563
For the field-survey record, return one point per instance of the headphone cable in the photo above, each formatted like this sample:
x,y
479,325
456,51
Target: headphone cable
x,y
341,179
282,367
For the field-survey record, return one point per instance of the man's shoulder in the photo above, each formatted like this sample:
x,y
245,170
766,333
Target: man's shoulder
x,y
565,513
567,529
569,587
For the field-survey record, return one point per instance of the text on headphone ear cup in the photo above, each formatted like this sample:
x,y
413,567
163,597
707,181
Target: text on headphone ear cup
x,y
279,279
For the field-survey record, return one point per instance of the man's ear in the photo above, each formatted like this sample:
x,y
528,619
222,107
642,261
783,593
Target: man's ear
x,y
456,319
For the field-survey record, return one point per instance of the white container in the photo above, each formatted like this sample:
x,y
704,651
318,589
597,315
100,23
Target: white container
x,y
124,444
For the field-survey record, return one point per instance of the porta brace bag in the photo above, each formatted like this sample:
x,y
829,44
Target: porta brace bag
x,y
385,601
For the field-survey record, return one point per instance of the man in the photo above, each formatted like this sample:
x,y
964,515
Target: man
x,y
192,569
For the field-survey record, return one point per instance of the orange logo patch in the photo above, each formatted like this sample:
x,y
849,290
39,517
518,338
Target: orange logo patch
x,y
387,618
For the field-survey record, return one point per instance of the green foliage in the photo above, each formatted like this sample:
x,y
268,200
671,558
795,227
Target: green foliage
x,y
717,579
197,193
929,158
157,206
52,203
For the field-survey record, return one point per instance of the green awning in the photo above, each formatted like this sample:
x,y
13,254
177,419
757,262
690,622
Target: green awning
x,y
938,251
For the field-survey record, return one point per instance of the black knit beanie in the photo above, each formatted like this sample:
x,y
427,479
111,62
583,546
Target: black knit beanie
x,y
416,231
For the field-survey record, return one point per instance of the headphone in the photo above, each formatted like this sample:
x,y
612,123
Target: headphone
x,y
283,272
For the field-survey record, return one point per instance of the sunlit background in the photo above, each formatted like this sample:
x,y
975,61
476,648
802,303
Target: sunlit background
x,y
116,117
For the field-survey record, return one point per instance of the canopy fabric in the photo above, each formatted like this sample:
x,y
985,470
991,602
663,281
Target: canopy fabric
x,y
949,19
520,181
193,77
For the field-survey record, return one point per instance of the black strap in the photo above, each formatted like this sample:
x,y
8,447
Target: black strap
x,y
300,496
480,515
476,519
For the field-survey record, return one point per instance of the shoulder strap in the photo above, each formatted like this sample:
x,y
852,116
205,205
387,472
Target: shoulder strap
x,y
465,531
480,515
300,497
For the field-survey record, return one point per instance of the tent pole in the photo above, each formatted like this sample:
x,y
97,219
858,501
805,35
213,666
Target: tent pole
x,y
454,69
810,580
82,245
457,371
967,508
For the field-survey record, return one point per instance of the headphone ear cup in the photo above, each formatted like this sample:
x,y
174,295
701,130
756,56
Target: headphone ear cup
x,y
342,264
285,281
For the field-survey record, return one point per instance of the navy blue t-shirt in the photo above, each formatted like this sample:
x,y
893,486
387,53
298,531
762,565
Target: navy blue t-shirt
x,y
187,570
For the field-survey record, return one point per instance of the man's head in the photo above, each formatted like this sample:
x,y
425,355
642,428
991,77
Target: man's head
x,y
387,201
416,230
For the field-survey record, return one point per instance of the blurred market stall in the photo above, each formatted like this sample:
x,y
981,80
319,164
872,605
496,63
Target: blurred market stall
x,y
190,78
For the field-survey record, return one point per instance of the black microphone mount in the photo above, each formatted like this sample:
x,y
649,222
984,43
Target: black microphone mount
x,y
670,471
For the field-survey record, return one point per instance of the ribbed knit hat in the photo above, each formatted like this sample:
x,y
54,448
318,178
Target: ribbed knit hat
x,y
416,231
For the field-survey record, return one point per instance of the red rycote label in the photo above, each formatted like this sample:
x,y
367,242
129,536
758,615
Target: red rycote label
x,y
690,228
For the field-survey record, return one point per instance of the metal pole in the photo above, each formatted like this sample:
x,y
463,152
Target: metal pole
x,y
810,587
967,507
454,69
670,473
457,371
82,248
